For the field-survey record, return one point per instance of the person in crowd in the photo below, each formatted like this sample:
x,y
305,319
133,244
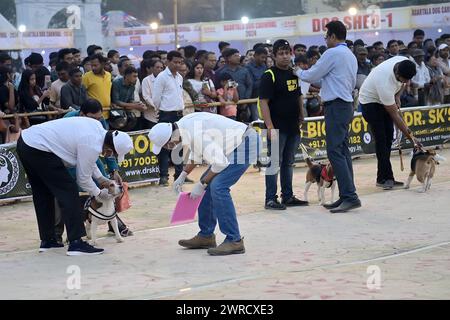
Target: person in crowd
x,y
337,69
444,63
31,96
349,43
393,49
220,64
228,93
98,82
189,93
364,67
360,43
379,47
270,62
299,49
94,49
73,93
67,56
189,54
256,68
201,56
113,56
145,69
241,76
418,37
209,65
163,55
8,94
76,57
122,95
421,80
282,110
377,59
313,57
411,47
150,116
168,99
86,65
380,100
223,46
206,91
5,60
62,70
434,92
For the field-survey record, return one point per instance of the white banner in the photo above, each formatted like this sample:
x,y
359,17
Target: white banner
x,y
36,39
436,15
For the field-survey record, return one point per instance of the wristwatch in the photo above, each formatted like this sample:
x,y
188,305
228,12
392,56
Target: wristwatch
x,y
204,184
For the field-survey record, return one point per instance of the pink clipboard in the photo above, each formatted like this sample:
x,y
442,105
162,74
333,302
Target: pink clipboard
x,y
185,209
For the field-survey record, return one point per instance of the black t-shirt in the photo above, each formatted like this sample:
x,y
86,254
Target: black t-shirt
x,y
283,96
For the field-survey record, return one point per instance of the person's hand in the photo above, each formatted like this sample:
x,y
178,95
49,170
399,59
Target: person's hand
x,y
2,114
117,177
416,142
46,94
272,134
104,195
10,85
178,184
198,190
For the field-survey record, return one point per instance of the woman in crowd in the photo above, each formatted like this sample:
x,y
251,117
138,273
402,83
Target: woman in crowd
x,y
269,62
31,96
204,87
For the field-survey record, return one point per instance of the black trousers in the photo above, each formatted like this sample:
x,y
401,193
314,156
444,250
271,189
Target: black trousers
x,y
49,179
382,128
165,155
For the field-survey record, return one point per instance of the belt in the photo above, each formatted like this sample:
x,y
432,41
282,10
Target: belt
x,y
326,103
172,112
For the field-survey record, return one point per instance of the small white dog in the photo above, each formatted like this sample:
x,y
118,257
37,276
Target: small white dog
x,y
101,212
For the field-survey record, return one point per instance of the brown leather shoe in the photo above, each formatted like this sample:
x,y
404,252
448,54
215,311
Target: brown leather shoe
x,y
228,248
199,242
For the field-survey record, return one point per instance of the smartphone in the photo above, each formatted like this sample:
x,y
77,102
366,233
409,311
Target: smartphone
x,y
48,82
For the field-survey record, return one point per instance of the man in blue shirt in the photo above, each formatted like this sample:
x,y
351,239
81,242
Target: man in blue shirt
x,y
256,68
337,69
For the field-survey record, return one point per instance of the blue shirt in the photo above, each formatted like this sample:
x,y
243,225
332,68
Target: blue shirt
x,y
242,77
337,68
256,72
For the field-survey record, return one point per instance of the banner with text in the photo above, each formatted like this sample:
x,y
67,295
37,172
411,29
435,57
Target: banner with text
x,y
36,39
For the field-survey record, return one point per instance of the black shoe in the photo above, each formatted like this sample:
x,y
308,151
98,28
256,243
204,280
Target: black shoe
x,y
294,202
333,205
274,205
347,206
388,185
50,244
80,248
164,182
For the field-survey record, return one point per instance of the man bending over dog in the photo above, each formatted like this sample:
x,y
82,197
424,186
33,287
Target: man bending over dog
x,y
45,151
380,101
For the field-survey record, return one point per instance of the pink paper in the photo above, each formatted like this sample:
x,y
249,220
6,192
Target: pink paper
x,y
185,209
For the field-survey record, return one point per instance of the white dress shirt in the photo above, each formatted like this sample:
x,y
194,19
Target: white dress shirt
x,y
211,138
147,88
77,141
168,91
422,76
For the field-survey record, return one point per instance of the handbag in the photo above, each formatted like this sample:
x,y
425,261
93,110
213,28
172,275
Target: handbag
x,y
123,203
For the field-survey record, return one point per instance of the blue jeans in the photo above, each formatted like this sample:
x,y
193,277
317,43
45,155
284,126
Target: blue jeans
x,y
217,204
338,116
284,161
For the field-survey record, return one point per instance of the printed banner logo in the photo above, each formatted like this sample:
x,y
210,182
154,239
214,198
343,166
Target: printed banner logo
x,y
9,171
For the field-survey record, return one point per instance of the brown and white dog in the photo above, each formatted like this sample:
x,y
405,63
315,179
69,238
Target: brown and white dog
x,y
423,166
99,213
323,175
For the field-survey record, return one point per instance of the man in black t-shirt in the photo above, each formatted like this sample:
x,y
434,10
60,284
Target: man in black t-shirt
x,y
282,109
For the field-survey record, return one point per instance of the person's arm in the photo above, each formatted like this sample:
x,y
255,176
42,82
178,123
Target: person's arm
x,y
396,117
86,166
300,105
12,97
323,66
266,93
235,95
248,84
44,95
66,98
157,93
147,93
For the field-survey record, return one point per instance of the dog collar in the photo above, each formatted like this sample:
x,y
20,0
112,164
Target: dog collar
x,y
97,214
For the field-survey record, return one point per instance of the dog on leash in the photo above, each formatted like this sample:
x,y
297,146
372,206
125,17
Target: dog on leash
x,y
101,212
423,166
323,175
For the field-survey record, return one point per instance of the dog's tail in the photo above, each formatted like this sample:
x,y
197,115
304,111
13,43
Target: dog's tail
x,y
309,162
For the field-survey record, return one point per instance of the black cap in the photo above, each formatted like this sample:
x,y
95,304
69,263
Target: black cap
x,y
359,42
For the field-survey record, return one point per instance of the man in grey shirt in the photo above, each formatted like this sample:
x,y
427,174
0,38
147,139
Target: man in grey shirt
x,y
73,93
337,69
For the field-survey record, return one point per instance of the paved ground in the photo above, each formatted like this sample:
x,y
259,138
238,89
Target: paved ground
x,y
399,242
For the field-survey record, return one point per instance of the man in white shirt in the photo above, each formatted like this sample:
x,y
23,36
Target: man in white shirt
x,y
62,69
380,101
168,100
150,115
229,147
444,63
422,78
45,151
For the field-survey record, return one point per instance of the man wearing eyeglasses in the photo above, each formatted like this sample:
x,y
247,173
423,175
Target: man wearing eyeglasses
x,y
337,69
380,101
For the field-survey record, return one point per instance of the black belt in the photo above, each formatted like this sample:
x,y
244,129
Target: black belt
x,y
178,113
326,103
